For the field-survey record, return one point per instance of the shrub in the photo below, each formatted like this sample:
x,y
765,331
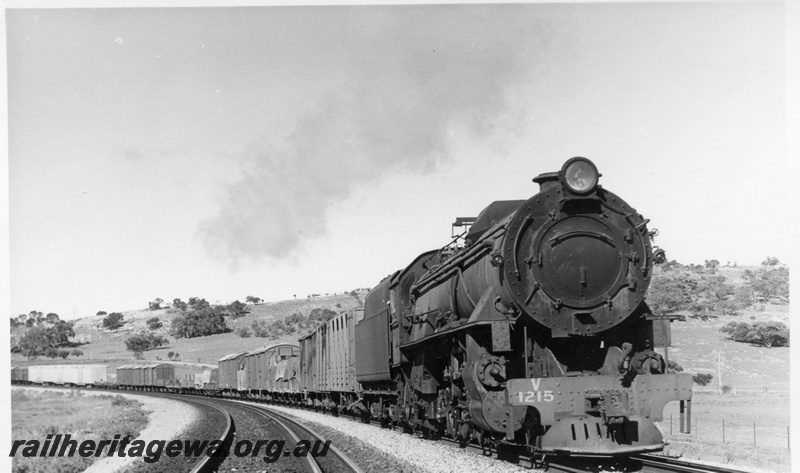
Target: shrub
x,y
768,334
263,329
726,389
702,379
670,291
154,323
243,332
144,341
769,281
113,321
673,367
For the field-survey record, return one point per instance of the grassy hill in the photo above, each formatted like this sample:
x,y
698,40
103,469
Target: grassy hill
x,y
98,343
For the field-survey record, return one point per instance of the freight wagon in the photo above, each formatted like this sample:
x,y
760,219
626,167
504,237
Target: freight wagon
x,y
72,375
228,369
19,375
327,361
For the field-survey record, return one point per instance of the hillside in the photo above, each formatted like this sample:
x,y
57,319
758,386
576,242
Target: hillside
x,y
696,341
98,343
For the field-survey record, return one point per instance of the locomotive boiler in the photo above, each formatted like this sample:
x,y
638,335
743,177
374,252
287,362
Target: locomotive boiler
x,y
530,329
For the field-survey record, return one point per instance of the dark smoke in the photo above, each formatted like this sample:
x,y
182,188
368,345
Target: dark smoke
x,y
413,75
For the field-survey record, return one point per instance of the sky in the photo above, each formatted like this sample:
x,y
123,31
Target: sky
x,y
283,151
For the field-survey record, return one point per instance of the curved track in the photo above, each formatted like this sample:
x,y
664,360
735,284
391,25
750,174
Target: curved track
x,y
339,462
209,464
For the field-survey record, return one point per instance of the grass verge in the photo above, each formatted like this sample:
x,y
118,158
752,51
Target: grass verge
x,y
35,415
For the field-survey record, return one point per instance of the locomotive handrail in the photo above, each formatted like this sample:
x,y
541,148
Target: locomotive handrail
x,y
446,269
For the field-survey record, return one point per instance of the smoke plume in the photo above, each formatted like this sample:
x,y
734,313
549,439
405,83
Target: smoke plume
x,y
412,75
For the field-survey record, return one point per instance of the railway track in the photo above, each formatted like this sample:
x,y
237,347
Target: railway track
x,y
209,464
646,463
338,462
659,464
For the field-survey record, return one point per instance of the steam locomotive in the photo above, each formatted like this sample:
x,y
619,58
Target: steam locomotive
x,y
533,331
530,328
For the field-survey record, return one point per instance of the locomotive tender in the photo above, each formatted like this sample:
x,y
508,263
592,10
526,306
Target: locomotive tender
x,y
530,328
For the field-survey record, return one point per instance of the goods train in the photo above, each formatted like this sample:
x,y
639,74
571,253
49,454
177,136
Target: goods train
x,y
529,328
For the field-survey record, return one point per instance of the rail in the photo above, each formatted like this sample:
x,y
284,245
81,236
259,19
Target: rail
x,y
209,464
282,420
659,463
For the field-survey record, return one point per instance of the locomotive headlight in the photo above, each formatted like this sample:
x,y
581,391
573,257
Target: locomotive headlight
x,y
580,175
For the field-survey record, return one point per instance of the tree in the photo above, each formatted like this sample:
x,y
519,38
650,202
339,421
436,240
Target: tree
x,y
51,352
770,282
199,323
156,304
179,304
154,323
102,312
770,261
63,353
670,292
43,340
170,354
144,341
196,303
702,379
237,309
320,316
35,341
76,353
253,300
37,316
60,333
137,355
52,318
113,321
768,334
771,334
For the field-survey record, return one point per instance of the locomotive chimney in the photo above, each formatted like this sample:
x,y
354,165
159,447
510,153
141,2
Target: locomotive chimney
x,y
546,181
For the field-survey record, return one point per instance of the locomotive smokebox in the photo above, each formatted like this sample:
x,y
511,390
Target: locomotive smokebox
x,y
577,258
